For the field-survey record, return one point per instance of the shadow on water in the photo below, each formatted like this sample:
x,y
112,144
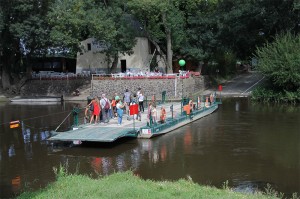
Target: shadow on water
x,y
106,144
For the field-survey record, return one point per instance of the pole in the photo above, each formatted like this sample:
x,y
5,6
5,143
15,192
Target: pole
x,y
133,123
181,95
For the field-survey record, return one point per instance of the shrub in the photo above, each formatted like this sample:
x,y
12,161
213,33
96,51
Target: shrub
x,y
279,61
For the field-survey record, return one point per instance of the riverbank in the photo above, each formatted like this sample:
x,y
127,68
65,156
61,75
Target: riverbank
x,y
126,185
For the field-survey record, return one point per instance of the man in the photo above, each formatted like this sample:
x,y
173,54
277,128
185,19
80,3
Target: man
x,y
105,112
127,99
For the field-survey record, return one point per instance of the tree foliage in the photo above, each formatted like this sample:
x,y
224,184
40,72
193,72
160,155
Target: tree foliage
x,y
279,61
24,33
76,20
197,30
164,23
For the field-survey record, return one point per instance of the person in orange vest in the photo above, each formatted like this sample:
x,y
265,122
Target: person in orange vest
x,y
163,115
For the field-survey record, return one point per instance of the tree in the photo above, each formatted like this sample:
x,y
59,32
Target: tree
x,y
75,21
163,22
245,24
279,61
24,34
202,28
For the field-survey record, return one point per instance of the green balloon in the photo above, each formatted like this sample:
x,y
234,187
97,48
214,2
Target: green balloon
x,y
181,62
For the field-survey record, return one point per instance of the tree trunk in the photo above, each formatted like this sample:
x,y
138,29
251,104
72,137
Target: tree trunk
x,y
169,53
169,68
160,52
114,64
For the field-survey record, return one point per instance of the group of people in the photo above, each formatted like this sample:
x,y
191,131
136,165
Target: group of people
x,y
99,108
107,109
152,114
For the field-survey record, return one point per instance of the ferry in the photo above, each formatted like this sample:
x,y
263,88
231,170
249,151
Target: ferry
x,y
177,122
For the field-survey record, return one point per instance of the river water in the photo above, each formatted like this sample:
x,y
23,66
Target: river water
x,y
246,144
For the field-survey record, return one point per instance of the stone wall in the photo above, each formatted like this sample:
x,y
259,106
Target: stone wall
x,y
52,87
150,87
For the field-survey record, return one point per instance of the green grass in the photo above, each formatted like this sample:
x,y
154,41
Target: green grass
x,y
126,185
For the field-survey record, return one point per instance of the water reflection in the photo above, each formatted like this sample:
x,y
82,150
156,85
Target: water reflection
x,y
237,106
248,145
11,151
16,183
96,164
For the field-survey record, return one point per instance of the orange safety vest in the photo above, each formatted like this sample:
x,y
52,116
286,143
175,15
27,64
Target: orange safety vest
x,y
187,109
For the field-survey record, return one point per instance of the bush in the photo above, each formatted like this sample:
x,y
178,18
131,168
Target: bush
x,y
280,62
265,94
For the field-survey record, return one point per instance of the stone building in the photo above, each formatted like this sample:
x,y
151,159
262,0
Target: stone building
x,y
94,60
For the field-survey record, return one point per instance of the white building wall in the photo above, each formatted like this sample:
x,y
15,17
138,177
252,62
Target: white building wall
x,y
95,61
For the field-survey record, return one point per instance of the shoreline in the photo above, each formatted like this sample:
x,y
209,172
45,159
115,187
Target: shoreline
x,y
84,97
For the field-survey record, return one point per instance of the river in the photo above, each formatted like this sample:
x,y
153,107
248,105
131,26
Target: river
x,y
246,144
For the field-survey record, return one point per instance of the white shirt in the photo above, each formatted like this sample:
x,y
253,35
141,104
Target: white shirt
x,y
141,98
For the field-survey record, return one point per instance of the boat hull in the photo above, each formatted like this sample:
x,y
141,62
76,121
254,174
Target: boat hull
x,y
149,132
37,99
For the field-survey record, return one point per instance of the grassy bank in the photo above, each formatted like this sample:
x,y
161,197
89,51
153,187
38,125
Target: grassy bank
x,y
126,185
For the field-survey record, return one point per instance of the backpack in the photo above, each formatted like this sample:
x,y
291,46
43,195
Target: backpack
x,y
106,106
92,107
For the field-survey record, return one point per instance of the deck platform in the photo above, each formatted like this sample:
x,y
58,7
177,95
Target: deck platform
x,y
103,132
109,132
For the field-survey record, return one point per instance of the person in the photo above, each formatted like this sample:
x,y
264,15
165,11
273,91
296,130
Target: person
x,y
149,115
211,99
154,114
113,110
141,101
134,101
127,100
191,104
87,114
138,93
105,112
119,107
163,115
96,110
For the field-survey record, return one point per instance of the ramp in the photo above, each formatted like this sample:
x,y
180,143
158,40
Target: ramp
x,y
96,133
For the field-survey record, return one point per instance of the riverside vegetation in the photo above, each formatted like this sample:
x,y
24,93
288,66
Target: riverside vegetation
x,y
127,185
279,62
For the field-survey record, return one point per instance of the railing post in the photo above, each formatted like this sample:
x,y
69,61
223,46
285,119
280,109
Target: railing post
x,y
163,97
75,115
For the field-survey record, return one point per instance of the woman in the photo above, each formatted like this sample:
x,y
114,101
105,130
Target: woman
x,y
119,108
141,101
96,111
